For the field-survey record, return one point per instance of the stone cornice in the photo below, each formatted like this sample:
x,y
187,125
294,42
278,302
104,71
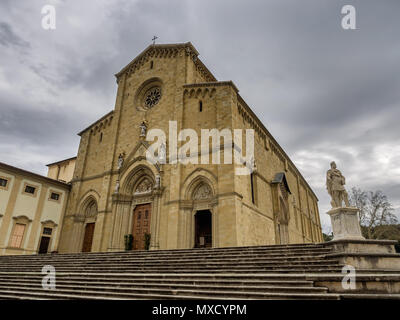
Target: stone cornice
x,y
242,105
200,66
121,198
166,51
210,85
97,176
103,121
186,203
61,162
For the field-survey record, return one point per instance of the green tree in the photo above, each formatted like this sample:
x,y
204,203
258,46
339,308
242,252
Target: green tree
x,y
377,219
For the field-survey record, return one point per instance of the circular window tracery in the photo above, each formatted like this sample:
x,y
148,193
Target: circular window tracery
x,y
152,97
149,94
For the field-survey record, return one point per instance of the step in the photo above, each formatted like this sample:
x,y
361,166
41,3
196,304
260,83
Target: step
x,y
196,250
193,276
149,288
165,253
249,269
157,257
174,294
233,258
259,272
180,264
243,271
129,282
369,296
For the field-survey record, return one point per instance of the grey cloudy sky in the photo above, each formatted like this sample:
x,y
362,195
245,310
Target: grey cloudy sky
x,y
325,93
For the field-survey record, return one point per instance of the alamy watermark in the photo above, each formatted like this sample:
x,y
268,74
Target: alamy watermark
x,y
49,17
189,153
349,280
49,280
349,20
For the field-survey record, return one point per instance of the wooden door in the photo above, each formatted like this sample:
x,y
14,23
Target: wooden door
x,y
44,244
141,225
88,238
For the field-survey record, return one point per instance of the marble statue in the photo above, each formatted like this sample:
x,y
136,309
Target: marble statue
x,y
143,129
162,156
116,187
158,182
335,182
121,160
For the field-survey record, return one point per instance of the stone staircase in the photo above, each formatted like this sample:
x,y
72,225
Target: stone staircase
x,y
261,272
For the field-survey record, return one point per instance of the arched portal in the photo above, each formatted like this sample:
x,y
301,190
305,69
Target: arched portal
x,y
136,208
89,213
141,226
202,197
203,229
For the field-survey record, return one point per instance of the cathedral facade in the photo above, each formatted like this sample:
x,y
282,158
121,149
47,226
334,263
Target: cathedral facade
x,y
119,198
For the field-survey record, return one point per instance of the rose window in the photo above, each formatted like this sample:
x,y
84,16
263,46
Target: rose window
x,y
152,97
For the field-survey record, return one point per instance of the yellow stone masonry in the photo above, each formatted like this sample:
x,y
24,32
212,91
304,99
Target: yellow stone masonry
x,y
193,204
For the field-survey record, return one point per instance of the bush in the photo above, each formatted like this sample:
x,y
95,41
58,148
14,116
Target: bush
x,y
397,246
128,242
147,238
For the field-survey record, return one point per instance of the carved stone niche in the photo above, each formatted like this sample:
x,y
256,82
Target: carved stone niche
x,y
144,187
91,210
281,192
203,192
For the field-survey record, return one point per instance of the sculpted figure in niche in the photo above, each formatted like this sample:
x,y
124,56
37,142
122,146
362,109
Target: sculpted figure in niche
x,y
158,182
116,190
203,192
335,182
121,160
162,156
143,129
144,187
91,210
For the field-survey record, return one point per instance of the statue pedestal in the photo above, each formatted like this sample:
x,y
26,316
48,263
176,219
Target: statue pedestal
x,y
351,248
345,224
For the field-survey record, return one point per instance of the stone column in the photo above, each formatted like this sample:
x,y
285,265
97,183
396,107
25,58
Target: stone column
x,y
121,206
155,231
77,233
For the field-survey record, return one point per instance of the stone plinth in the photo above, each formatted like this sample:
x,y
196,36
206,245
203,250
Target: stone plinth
x,y
351,248
365,254
345,224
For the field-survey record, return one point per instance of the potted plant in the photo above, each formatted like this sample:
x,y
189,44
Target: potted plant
x,y
128,242
147,238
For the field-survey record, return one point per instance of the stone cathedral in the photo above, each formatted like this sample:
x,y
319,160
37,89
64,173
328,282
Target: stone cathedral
x,y
116,194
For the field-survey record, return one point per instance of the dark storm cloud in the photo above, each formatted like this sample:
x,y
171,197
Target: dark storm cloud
x,y
36,125
323,92
9,38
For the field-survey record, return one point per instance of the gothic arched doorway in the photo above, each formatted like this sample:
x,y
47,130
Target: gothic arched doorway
x,y
203,229
88,237
90,213
141,226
